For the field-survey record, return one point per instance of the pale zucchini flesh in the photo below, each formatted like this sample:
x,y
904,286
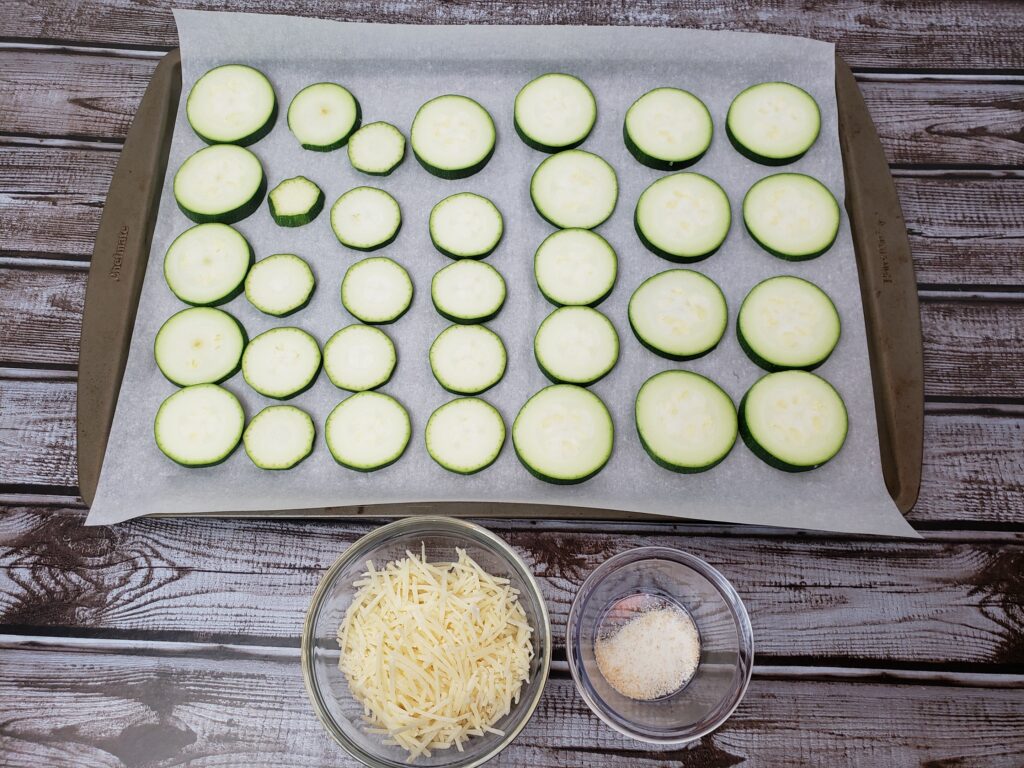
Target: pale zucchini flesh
x,y
322,116
574,189
773,123
366,218
359,358
678,314
280,284
466,226
199,426
686,422
468,291
467,359
452,136
668,129
232,104
793,420
376,149
279,437
367,431
787,322
684,217
792,216
575,267
376,290
222,183
199,345
563,434
576,345
281,363
207,264
465,435
554,112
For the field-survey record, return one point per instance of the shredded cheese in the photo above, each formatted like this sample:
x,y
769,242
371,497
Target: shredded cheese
x,y
435,652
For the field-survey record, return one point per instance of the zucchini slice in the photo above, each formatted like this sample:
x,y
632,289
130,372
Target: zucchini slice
x,y
465,435
199,426
376,149
232,104
322,116
359,358
786,322
555,112
468,291
773,123
376,290
684,217
466,226
576,345
199,345
467,359
295,201
280,285
281,363
575,267
222,183
793,420
678,314
686,422
574,189
792,216
668,129
207,264
563,434
279,437
452,136
367,431
366,218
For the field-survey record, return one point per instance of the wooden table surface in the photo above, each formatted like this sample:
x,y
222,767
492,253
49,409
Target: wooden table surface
x,y
168,643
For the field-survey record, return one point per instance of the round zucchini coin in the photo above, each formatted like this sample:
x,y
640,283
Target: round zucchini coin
x,y
199,426
280,285
468,291
232,104
452,136
792,216
684,217
575,267
466,226
576,345
668,129
322,116
574,189
281,362
359,358
279,437
467,359
773,123
368,431
199,345
465,435
786,322
376,290
207,264
555,112
678,314
221,183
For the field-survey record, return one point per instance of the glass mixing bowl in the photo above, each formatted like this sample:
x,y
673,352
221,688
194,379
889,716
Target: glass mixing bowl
x,y
340,713
726,644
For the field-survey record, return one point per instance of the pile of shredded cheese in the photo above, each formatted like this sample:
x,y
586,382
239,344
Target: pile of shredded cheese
x,y
435,652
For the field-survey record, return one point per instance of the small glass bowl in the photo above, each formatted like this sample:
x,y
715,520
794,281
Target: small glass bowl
x,y
340,713
726,654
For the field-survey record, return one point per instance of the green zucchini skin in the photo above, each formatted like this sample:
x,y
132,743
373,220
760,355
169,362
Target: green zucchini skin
x,y
461,173
667,355
464,321
229,217
653,162
555,480
665,254
555,380
772,367
772,161
544,147
298,219
789,256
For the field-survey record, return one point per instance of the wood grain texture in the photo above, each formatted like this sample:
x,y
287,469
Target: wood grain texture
x,y
973,460
46,328
945,122
965,231
971,347
962,231
847,601
872,33
51,199
244,709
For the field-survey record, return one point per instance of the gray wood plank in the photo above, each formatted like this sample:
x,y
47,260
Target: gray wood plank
x,y
937,35
947,122
148,709
856,601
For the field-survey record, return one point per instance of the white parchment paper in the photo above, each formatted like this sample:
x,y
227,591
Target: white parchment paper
x,y
392,70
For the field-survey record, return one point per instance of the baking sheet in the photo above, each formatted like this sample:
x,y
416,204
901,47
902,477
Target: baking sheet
x,y
393,69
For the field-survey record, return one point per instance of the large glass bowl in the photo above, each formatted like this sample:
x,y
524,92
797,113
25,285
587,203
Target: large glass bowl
x,y
726,652
340,713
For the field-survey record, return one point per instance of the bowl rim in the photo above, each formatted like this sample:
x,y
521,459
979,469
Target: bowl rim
x,y
371,539
720,582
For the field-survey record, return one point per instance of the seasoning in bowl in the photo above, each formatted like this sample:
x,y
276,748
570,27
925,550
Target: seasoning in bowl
x,y
647,647
435,652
